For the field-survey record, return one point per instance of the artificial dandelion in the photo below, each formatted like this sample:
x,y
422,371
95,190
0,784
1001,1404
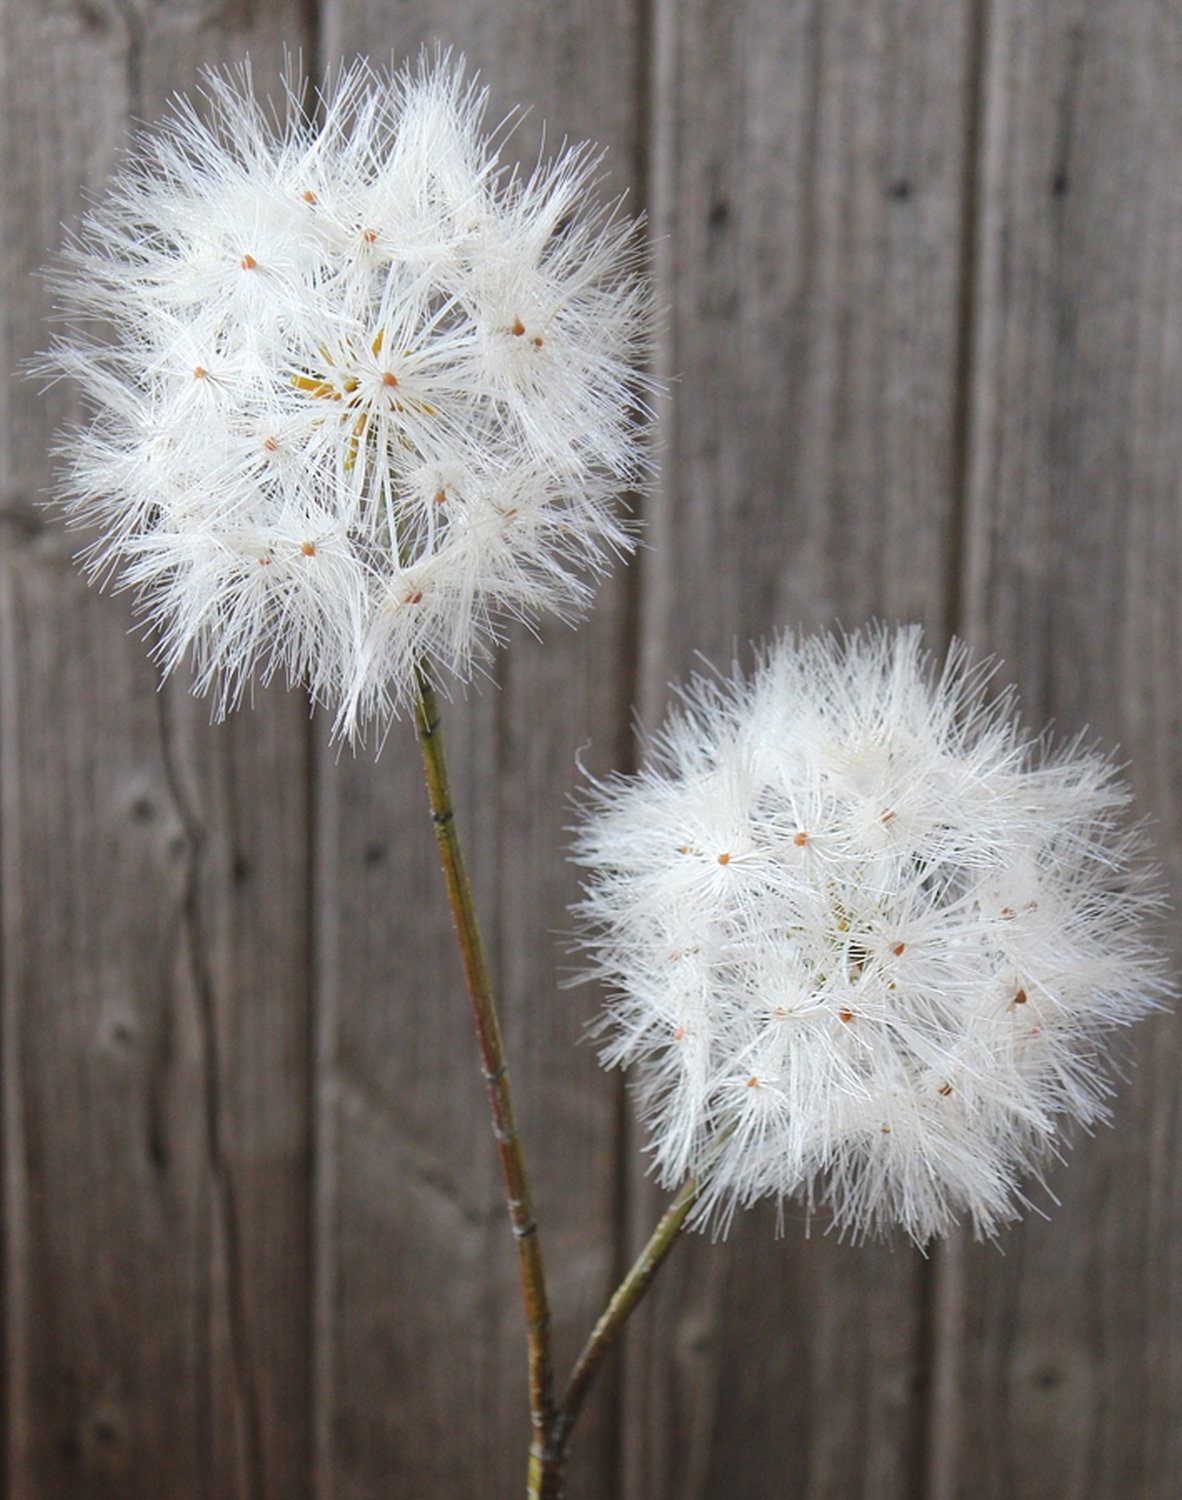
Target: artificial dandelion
x,y
866,940
359,396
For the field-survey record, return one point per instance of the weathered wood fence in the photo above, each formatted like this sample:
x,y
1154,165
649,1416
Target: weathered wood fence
x,y
923,266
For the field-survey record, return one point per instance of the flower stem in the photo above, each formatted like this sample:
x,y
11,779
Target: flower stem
x,y
495,1070
551,1425
624,1300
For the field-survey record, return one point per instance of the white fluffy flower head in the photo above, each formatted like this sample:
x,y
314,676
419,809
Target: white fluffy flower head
x,y
866,940
361,397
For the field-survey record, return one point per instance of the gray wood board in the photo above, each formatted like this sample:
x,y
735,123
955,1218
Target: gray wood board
x,y
1061,1367
155,921
809,183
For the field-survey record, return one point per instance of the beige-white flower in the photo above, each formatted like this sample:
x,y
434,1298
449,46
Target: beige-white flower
x,y
363,397
866,941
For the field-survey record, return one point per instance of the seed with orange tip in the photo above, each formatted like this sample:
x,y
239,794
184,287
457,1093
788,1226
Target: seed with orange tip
x,y
369,235
415,597
270,444
309,196
899,949
944,1090
890,815
753,1082
800,839
248,262
537,341
199,372
389,378
440,497
517,328
308,549
845,1015
724,859
679,1034
1019,997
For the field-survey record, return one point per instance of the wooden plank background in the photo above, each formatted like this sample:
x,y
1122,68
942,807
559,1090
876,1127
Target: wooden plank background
x,y
922,261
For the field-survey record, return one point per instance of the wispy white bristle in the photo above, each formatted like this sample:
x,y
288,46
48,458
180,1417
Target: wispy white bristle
x,y
866,941
360,397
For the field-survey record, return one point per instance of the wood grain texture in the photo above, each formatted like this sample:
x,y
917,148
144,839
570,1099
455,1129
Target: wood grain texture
x,y
421,1367
1062,1358
923,269
155,989
809,182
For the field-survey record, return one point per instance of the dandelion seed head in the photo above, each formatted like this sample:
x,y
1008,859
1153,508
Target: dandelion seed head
x,y
900,993
294,326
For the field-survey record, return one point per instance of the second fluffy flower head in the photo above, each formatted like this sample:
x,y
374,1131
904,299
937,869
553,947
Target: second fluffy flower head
x,y
365,397
865,938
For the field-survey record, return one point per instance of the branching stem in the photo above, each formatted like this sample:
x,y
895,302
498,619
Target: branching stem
x,y
551,1425
616,1314
496,1074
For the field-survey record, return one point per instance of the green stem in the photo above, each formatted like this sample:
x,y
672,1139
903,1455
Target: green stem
x,y
496,1075
624,1300
547,1485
